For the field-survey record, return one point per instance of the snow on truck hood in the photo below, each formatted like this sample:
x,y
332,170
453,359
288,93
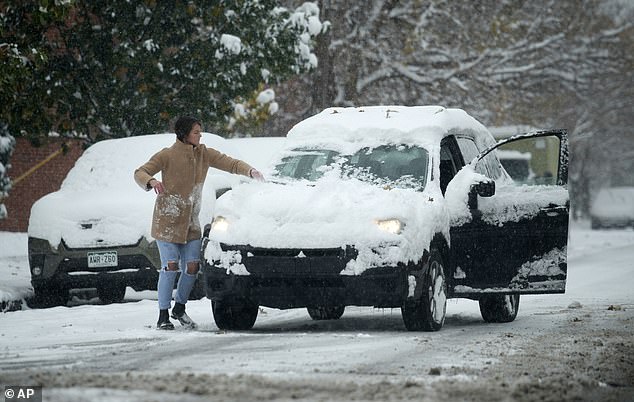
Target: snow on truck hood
x,y
328,213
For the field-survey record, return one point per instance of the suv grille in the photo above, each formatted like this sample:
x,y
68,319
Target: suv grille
x,y
347,253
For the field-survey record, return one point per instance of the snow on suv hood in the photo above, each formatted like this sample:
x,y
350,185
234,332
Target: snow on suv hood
x,y
328,213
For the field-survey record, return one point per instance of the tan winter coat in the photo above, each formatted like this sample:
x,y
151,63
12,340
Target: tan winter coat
x,y
183,168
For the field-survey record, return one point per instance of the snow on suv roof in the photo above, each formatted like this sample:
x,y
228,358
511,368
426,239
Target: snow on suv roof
x,y
403,124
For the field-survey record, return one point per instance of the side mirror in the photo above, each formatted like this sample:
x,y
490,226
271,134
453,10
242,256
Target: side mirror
x,y
482,189
221,191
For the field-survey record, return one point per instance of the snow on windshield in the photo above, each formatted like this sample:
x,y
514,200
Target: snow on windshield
x,y
399,166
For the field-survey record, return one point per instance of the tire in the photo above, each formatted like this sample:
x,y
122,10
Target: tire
x,y
499,308
235,315
428,312
198,291
111,293
48,296
326,313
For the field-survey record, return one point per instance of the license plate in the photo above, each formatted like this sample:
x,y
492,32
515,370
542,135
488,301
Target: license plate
x,y
103,259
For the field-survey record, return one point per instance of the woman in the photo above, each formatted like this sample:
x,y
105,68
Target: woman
x,y
175,224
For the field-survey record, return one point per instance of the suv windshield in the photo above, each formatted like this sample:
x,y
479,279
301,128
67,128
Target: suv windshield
x,y
387,165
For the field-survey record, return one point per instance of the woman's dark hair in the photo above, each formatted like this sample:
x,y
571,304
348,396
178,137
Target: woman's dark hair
x,y
184,125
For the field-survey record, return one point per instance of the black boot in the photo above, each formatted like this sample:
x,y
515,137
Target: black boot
x,y
164,320
178,313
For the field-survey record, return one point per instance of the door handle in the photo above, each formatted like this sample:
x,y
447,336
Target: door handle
x,y
553,211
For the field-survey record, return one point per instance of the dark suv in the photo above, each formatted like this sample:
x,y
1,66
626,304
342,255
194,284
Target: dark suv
x,y
388,207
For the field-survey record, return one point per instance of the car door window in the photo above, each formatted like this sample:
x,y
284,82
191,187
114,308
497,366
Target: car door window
x,y
449,163
492,164
469,152
531,161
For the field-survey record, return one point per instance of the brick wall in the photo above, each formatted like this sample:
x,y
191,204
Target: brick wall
x,y
44,180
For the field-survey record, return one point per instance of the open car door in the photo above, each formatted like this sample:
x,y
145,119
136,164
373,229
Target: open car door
x,y
516,240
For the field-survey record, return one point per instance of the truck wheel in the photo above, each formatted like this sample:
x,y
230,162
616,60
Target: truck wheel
x,y
111,293
499,308
428,312
326,313
48,296
234,315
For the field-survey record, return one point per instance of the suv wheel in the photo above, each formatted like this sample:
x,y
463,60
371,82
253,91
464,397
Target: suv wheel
x,y
428,313
234,315
111,293
326,313
499,308
198,291
48,296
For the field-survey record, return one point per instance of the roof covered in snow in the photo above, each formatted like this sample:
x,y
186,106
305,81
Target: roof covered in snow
x,y
423,125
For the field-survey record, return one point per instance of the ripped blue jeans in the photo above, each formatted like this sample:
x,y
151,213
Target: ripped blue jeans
x,y
181,254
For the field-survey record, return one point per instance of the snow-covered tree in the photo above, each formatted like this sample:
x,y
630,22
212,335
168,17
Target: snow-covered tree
x,y
22,58
117,68
19,65
545,63
490,55
7,145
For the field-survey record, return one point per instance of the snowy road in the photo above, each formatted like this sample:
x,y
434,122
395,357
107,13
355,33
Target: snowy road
x,y
576,346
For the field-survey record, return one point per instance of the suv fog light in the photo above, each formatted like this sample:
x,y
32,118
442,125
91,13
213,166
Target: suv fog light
x,y
37,271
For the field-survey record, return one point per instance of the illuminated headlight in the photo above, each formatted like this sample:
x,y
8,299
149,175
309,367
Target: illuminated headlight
x,y
220,224
393,226
37,271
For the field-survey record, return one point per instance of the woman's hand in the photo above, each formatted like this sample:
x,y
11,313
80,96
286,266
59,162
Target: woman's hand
x,y
254,173
157,186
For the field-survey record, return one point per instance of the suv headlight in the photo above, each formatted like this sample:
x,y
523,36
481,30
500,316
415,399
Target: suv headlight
x,y
393,226
220,224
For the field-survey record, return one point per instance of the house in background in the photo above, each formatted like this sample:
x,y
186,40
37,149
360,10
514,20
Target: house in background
x,y
35,172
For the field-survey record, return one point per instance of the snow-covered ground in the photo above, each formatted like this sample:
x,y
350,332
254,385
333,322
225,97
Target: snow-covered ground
x,y
575,346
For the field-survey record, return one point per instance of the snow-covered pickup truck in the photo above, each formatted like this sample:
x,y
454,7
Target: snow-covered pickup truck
x,y
387,207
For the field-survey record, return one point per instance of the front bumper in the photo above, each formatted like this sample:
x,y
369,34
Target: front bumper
x,y
291,278
66,267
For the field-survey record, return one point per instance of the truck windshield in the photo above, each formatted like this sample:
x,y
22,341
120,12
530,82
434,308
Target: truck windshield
x,y
390,166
